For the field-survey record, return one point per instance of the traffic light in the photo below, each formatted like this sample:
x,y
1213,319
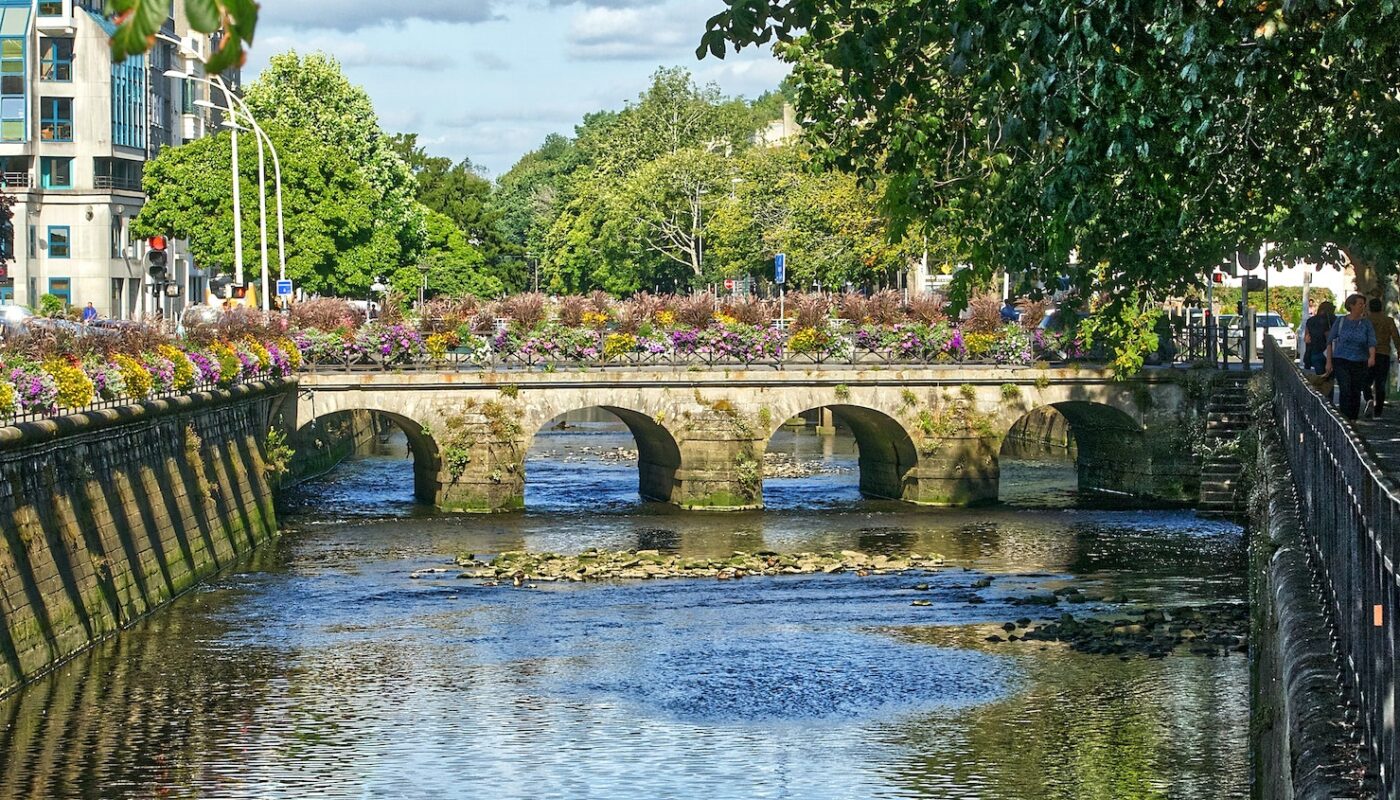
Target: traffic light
x,y
1253,284
1217,277
240,292
157,258
219,285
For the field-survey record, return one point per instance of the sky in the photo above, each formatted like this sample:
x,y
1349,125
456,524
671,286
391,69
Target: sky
x,y
489,79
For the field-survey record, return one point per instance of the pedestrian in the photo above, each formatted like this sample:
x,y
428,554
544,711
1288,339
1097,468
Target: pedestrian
x,y
1009,312
89,314
1315,337
1386,336
1351,353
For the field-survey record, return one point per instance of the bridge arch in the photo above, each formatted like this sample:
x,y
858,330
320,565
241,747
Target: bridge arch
x,y
886,452
1107,444
658,453
427,460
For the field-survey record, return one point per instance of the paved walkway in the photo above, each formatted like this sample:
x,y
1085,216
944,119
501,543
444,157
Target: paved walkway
x,y
1383,440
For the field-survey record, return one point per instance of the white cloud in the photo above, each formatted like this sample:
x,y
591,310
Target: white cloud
x,y
353,52
615,34
489,60
353,15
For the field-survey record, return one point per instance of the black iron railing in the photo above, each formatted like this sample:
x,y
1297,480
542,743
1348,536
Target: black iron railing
x,y
1352,513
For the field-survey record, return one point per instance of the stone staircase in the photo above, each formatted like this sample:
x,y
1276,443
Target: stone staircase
x,y
1227,416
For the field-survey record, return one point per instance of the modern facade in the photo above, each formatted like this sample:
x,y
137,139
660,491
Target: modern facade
x,y
75,132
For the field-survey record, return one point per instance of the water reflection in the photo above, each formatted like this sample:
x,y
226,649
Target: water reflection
x,y
322,669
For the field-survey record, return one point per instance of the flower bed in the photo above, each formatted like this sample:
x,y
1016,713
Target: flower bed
x,y
34,387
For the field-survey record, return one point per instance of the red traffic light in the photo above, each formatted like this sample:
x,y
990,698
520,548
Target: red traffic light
x,y
157,242
1218,277
240,292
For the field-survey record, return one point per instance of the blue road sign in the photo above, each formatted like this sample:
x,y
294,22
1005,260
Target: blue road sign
x,y
284,288
780,268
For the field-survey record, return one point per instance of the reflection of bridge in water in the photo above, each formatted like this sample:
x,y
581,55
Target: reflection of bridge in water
x,y
928,435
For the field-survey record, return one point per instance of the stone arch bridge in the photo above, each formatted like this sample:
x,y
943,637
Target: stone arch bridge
x,y
929,436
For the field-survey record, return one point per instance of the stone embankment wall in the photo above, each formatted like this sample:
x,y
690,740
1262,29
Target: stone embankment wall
x,y
320,448
1304,742
107,515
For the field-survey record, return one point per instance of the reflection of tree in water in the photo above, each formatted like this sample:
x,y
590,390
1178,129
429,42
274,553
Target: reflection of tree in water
x,y
134,712
1086,727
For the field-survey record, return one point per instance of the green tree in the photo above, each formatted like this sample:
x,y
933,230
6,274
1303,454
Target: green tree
x,y
334,244
458,192
528,199
455,266
1130,145
313,94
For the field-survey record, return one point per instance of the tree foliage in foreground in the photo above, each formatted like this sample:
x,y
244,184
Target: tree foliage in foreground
x,y
1130,145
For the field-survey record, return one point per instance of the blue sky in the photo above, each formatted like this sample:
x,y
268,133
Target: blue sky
x,y
488,79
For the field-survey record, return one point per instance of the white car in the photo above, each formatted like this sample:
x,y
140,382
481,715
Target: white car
x,y
1275,326
1264,324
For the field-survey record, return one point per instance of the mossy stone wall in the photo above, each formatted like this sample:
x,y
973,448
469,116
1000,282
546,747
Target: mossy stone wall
x,y
108,515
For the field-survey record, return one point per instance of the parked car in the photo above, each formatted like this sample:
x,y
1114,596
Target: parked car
x,y
1264,324
13,319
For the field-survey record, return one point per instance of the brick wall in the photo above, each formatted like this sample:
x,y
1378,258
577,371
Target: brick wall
x,y
106,516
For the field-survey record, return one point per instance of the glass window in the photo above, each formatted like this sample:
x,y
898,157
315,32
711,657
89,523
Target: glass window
x,y
59,242
56,59
189,93
50,8
56,119
118,239
62,288
33,242
56,173
13,102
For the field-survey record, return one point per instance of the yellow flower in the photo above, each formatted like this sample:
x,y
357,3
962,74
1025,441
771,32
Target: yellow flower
x,y
618,344
979,345
137,378
184,368
666,318
725,319
255,347
293,352
75,388
806,340
595,319
437,347
7,399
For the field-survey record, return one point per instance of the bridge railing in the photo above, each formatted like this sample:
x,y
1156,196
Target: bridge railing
x,y
1352,512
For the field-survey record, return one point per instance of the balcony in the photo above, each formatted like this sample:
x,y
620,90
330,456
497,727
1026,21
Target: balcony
x,y
117,183
16,180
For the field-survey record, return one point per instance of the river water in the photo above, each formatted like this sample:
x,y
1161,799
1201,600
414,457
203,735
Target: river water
x,y
322,669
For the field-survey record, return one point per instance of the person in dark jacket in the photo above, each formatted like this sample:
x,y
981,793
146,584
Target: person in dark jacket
x,y
1315,337
1351,354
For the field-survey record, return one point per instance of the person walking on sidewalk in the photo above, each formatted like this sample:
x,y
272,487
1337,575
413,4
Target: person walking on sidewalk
x,y
1387,336
1315,337
1351,353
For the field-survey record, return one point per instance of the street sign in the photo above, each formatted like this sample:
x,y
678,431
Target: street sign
x,y
729,284
780,268
284,288
1249,260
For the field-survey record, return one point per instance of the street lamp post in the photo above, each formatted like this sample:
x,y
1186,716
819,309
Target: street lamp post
x,y
235,104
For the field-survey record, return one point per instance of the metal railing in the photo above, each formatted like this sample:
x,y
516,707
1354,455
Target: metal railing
x,y
116,182
16,180
122,401
1351,511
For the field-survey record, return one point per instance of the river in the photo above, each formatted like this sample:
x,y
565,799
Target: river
x,y
322,668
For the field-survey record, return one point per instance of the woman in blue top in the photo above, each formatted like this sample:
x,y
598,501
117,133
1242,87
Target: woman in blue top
x,y
1351,352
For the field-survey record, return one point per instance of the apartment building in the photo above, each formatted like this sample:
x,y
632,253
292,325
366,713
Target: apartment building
x,y
75,132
